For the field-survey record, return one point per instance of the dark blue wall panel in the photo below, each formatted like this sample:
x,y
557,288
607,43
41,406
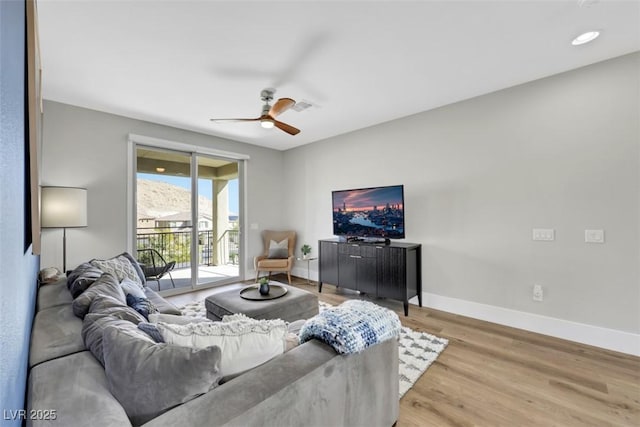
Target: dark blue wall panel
x,y
18,269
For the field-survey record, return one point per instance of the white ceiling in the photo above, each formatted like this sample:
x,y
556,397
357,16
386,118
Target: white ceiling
x,y
360,63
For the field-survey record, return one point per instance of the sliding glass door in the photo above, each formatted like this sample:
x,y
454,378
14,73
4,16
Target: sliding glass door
x,y
187,214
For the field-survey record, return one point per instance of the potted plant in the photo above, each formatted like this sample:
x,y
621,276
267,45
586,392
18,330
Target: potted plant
x,y
306,250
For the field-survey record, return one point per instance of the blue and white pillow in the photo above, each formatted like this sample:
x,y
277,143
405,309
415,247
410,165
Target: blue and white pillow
x,y
352,326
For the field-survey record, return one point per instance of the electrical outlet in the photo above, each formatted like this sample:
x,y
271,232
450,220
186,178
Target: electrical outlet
x,y
544,234
538,293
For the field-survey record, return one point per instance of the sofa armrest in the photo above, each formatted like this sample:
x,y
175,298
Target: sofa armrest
x,y
231,402
310,385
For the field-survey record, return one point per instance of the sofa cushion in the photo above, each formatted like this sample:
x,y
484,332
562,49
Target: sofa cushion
x,y
56,332
161,304
164,375
107,285
245,343
75,387
273,263
120,266
81,278
53,294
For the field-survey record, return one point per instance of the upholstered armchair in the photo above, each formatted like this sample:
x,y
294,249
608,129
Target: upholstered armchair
x,y
279,247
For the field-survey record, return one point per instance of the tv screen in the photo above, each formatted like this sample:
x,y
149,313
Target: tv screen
x,y
376,212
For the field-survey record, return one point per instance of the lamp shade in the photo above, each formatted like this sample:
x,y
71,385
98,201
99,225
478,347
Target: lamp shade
x,y
64,207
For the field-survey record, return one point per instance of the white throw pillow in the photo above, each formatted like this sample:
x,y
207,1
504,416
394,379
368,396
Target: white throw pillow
x,y
245,343
175,319
119,266
131,287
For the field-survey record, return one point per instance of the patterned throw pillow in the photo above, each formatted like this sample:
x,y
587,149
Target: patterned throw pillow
x,y
279,250
245,343
141,305
352,326
120,267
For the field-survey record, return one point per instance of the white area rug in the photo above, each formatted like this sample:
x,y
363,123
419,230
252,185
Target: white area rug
x,y
417,350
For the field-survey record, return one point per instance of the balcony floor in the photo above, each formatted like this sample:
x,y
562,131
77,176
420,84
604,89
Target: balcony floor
x,y
206,274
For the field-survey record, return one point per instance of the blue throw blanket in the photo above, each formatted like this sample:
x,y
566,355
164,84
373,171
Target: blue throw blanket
x,y
352,326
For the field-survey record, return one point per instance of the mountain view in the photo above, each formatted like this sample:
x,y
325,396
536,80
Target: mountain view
x,y
157,199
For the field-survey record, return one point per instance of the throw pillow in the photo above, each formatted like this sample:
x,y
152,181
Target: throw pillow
x,y
93,327
108,306
176,320
352,326
245,344
161,304
278,249
81,278
120,266
141,305
105,285
136,267
164,375
131,287
151,330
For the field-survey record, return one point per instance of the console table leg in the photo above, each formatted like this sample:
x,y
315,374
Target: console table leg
x,y
420,298
319,286
406,308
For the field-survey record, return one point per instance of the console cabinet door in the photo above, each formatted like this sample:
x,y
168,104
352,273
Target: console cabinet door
x,y
392,273
366,271
328,262
347,275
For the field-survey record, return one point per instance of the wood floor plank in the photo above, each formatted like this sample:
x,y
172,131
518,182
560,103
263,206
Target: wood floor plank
x,y
493,375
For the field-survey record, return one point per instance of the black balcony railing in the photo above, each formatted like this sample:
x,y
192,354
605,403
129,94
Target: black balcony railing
x,y
176,245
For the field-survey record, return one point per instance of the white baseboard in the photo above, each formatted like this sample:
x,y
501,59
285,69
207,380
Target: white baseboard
x,y
611,339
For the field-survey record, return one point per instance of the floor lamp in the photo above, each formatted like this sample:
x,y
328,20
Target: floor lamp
x,y
64,207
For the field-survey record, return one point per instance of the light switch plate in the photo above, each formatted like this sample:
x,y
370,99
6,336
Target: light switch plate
x,y
544,234
594,236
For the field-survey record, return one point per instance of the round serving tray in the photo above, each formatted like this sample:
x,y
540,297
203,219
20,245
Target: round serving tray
x,y
252,293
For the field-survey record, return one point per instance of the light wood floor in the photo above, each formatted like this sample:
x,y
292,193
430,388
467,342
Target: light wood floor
x,y
492,375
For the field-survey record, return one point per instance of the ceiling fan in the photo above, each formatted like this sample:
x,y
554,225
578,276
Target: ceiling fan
x,y
270,112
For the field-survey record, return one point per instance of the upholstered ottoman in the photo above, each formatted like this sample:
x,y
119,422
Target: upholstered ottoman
x,y
294,305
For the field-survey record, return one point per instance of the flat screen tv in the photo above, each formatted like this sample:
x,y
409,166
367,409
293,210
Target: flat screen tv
x,y
375,213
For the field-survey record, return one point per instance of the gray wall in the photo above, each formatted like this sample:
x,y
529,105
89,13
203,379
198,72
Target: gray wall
x,y
18,268
87,148
561,153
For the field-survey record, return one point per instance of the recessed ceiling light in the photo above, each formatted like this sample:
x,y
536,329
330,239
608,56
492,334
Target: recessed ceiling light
x,y
160,170
585,37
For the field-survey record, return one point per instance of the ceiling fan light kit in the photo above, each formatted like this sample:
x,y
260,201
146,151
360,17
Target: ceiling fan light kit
x,y
269,112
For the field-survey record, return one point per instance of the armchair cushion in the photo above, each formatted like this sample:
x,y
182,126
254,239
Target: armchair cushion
x,y
273,263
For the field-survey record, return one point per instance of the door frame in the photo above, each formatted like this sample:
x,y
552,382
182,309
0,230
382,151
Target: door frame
x,y
133,140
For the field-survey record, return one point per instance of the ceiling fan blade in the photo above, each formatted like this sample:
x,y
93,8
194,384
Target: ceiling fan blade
x,y
235,120
285,127
281,105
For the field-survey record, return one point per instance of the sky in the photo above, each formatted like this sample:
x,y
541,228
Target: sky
x,y
365,199
203,185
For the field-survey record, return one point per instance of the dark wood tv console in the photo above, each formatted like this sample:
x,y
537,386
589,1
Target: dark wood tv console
x,y
381,270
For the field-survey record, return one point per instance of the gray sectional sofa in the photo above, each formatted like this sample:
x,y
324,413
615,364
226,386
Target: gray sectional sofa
x,y
310,385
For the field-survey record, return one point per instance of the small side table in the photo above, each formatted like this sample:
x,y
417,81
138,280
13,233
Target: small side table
x,y
308,259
